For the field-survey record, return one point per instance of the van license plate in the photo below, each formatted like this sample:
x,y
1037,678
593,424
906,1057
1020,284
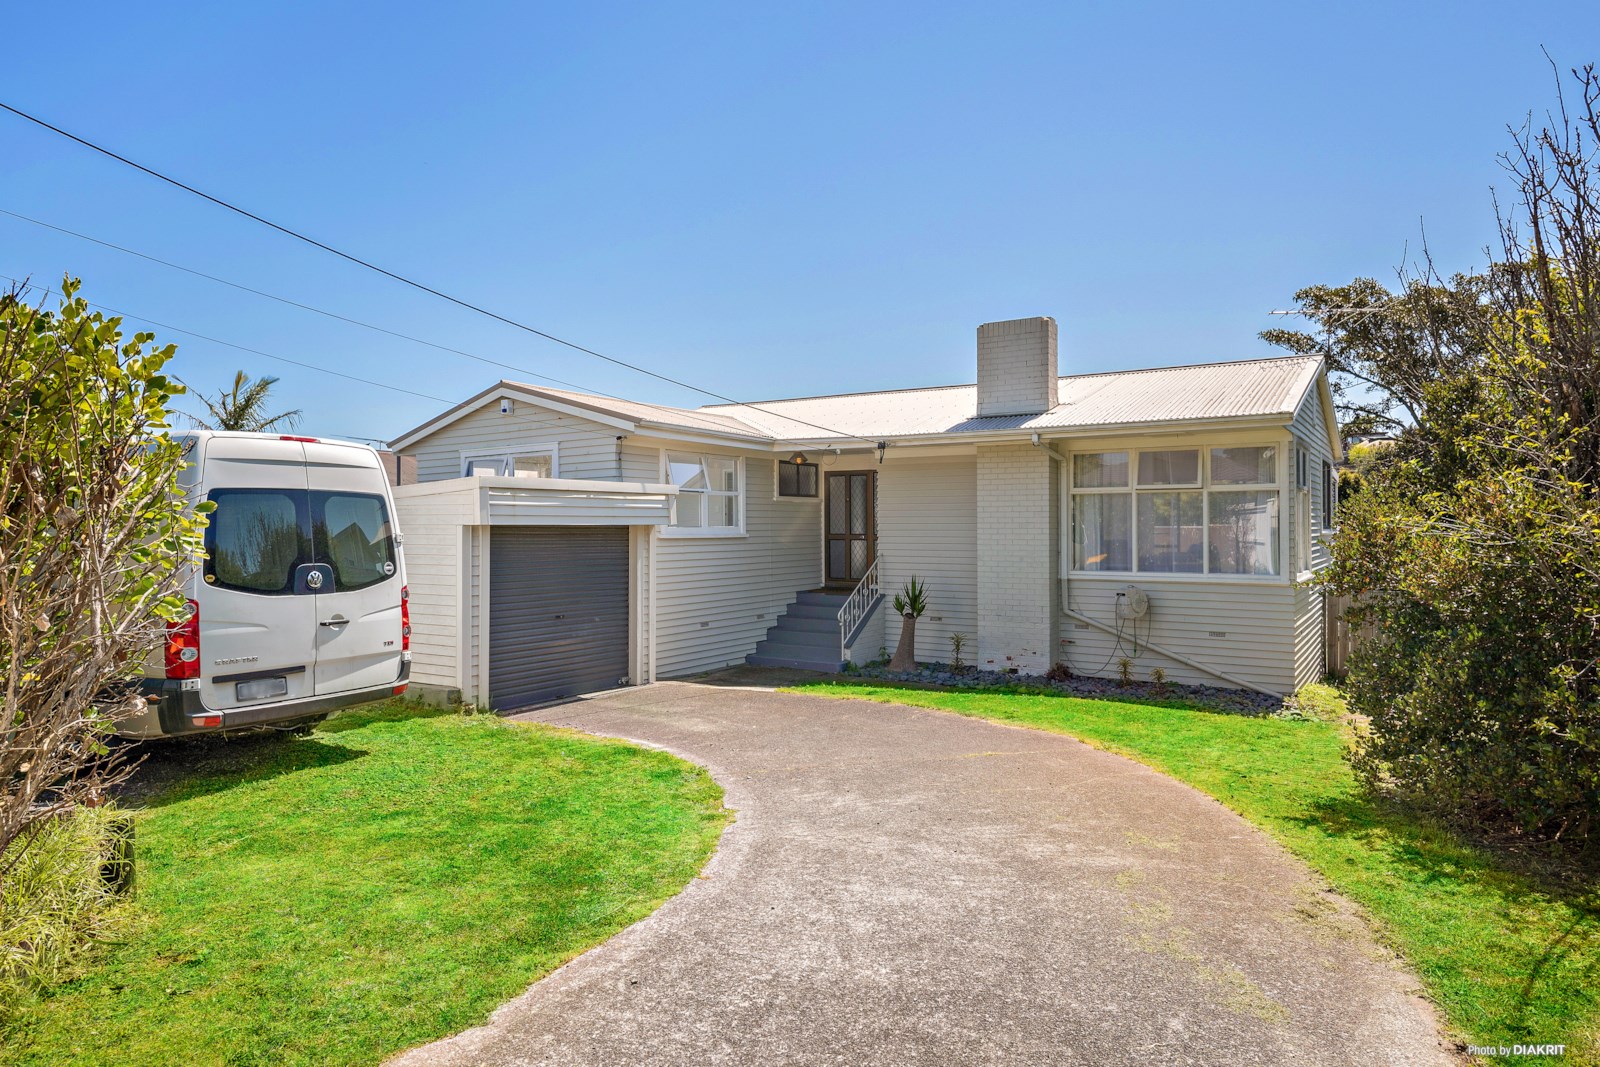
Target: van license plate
x,y
261,689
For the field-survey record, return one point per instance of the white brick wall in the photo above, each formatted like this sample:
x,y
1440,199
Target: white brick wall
x,y
1017,367
1016,559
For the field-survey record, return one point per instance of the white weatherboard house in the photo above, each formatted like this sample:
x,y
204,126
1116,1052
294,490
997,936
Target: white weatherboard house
x,y
559,543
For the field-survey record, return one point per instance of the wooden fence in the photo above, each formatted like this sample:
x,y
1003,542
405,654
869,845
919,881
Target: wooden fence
x,y
1341,638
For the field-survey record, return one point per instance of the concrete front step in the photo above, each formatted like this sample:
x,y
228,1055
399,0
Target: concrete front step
x,y
780,645
791,621
799,635
829,612
836,600
825,666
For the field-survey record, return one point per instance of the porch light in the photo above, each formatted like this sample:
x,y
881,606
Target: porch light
x,y
798,458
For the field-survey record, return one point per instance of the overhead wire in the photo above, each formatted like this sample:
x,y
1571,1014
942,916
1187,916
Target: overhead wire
x,y
297,304
404,280
46,291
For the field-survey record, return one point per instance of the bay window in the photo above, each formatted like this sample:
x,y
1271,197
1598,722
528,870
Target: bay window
x,y
709,493
1176,511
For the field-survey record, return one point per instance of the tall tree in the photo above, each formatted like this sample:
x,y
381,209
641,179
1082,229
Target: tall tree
x,y
244,407
1389,353
1475,547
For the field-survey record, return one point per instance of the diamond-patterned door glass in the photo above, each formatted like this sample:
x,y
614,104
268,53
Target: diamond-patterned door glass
x,y
858,504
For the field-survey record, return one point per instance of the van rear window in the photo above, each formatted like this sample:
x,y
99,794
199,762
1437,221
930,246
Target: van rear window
x,y
354,537
256,538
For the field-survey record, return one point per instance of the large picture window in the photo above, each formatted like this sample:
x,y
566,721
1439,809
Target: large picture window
x,y
709,493
1177,511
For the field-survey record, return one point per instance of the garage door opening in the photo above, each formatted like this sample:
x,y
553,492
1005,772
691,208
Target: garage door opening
x,y
558,612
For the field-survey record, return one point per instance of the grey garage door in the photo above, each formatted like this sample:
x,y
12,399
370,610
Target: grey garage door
x,y
558,612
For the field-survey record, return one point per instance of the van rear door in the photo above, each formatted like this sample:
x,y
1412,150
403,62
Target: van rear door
x,y
255,621
358,613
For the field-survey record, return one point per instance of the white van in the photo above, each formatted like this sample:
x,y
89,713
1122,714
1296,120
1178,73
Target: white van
x,y
300,606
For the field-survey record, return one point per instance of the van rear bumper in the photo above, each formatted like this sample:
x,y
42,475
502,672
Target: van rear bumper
x,y
176,707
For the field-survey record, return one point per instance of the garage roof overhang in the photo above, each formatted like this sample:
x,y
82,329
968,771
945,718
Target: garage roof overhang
x,y
492,501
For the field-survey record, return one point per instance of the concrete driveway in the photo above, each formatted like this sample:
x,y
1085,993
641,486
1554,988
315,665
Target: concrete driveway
x,y
910,887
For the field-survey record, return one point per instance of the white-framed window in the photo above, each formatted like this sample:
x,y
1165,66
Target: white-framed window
x,y
710,500
1195,510
537,462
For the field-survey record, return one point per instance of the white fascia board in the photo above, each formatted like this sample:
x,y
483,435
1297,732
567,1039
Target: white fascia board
x,y
704,437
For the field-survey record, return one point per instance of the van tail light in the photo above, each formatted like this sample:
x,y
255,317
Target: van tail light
x,y
204,722
405,618
183,644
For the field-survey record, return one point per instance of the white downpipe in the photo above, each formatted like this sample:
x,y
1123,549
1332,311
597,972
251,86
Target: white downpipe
x,y
1185,660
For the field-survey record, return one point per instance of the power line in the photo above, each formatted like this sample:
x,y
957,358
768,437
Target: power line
x,y
252,351
409,281
295,303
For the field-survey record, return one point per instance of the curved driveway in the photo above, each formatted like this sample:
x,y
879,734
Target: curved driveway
x,y
905,886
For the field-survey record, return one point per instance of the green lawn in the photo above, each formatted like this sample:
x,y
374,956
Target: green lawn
x,y
1507,958
390,879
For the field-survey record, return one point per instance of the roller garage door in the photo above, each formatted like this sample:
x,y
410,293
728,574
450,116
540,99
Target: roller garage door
x,y
558,612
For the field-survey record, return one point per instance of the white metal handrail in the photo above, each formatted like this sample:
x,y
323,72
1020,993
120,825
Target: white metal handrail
x,y
858,603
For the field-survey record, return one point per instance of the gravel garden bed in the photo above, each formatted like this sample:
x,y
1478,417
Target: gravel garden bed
x,y
942,674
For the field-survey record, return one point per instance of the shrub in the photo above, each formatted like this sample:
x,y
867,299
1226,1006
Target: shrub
x,y
1479,681
57,902
958,643
1125,671
94,539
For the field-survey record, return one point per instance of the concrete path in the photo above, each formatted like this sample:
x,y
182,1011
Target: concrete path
x,y
910,887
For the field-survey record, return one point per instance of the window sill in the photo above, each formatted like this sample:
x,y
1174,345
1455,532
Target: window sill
x,y
797,499
1135,577
700,534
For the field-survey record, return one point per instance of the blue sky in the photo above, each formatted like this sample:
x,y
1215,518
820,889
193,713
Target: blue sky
x,y
769,202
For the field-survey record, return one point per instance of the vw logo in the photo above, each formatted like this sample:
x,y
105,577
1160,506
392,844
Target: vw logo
x,y
313,579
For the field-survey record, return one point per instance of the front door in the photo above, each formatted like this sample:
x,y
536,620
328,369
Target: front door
x,y
852,534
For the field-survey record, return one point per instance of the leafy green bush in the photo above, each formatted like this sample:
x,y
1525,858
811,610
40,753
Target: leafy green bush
x,y
1480,679
55,903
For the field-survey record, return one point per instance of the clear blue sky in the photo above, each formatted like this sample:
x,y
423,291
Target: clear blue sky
x,y
772,202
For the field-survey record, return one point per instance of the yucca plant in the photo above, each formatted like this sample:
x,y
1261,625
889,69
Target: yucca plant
x,y
909,603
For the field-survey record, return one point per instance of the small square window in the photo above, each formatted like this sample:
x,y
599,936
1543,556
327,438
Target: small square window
x,y
1100,470
1256,465
531,466
797,479
1178,467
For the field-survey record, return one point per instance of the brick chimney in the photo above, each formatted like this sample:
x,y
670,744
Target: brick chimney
x,y
1017,367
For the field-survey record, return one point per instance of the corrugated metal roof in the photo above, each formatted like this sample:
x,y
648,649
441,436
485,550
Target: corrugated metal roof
x,y
1244,389
659,414
1258,387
